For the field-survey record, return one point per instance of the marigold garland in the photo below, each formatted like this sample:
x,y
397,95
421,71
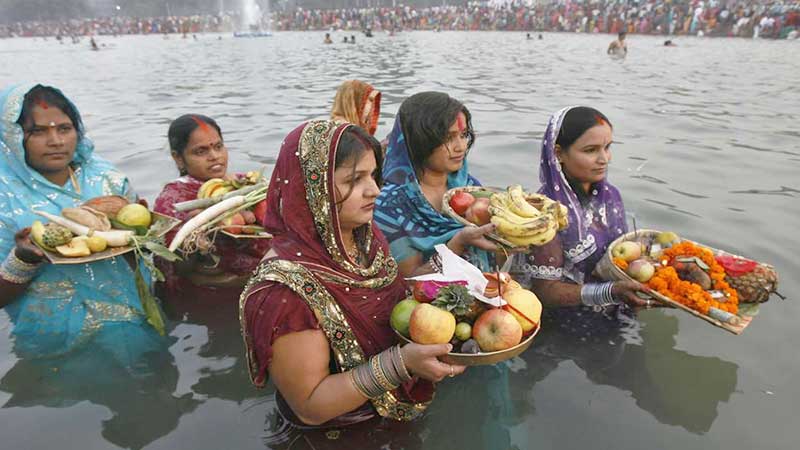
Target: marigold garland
x,y
666,281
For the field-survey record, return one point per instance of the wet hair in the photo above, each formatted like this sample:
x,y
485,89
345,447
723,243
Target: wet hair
x,y
45,95
622,34
182,128
425,120
353,142
576,122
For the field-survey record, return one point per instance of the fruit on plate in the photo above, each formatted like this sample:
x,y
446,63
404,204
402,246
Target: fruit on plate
x,y
209,186
134,215
627,250
456,299
107,204
641,270
96,243
478,212
496,330
463,331
667,239
233,224
50,236
525,306
460,201
519,220
431,325
401,315
260,211
75,248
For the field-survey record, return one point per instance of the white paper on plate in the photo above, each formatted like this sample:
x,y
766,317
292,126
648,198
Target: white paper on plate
x,y
456,268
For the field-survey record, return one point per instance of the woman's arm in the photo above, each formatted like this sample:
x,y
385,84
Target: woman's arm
x,y
556,294
19,267
300,371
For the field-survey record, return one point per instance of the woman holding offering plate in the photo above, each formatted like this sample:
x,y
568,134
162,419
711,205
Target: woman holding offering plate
x,y
315,315
427,156
49,164
576,152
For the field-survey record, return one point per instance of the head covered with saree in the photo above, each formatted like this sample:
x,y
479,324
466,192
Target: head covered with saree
x,y
358,103
65,305
407,218
351,302
595,219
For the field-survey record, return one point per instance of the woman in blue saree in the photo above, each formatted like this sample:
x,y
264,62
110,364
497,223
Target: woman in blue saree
x,y
49,164
426,157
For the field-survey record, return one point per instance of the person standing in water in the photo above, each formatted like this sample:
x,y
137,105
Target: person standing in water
x,y
328,39
618,47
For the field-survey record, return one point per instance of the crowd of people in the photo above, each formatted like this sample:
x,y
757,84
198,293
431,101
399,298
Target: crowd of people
x,y
743,18
350,219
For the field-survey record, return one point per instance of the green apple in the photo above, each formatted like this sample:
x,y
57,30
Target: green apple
x,y
667,239
463,331
627,250
401,314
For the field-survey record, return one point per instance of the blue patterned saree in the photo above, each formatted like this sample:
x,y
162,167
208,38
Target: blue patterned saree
x,y
407,218
66,306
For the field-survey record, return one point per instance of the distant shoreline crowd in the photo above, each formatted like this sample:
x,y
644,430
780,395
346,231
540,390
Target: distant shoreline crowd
x,y
735,18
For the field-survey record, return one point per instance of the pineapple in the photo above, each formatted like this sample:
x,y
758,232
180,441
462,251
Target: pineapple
x,y
456,299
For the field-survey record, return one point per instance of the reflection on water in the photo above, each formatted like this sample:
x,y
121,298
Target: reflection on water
x,y
706,145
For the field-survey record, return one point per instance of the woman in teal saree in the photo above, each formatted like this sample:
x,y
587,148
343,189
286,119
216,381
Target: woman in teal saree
x,y
49,164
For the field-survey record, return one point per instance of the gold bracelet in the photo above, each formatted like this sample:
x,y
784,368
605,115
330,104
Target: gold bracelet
x,y
402,370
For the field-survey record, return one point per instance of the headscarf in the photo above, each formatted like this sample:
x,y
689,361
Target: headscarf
x,y
302,216
592,225
406,217
65,305
355,99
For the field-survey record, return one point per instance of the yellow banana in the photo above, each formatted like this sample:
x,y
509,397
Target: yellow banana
x,y
509,215
524,230
563,217
499,200
519,205
209,186
537,239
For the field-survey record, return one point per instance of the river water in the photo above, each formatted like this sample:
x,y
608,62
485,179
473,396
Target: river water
x,y
707,141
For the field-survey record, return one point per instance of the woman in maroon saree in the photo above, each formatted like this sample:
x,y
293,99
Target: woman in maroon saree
x,y
316,312
200,154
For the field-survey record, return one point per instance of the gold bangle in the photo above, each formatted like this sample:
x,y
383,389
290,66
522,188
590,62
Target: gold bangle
x,y
380,376
356,384
402,369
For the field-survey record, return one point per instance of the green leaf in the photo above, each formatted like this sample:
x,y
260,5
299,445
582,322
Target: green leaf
x,y
161,251
748,309
151,309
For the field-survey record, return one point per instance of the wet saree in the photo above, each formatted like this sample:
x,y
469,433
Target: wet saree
x,y
313,284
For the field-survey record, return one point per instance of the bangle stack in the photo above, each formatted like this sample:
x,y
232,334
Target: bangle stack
x,y
598,295
382,373
436,262
17,271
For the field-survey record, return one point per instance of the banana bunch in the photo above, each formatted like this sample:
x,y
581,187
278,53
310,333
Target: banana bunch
x,y
527,219
214,187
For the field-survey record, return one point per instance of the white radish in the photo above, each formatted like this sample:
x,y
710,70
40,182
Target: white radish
x,y
204,217
115,238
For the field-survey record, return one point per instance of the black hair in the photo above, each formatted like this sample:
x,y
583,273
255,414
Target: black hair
x,y
182,128
425,119
52,98
352,143
576,122
622,34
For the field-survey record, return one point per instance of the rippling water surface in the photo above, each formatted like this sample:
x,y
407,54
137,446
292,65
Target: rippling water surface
x,y
708,145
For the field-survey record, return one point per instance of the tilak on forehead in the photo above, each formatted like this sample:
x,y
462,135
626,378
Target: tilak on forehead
x,y
42,103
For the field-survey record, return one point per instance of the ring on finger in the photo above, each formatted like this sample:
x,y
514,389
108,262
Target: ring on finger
x,y
452,372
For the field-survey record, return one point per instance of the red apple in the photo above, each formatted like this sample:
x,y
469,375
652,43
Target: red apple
x,y
627,250
260,211
478,213
641,270
233,224
496,330
461,201
431,325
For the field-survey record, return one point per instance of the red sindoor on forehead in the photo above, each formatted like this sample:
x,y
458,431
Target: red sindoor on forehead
x,y
42,104
599,120
203,126
461,123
